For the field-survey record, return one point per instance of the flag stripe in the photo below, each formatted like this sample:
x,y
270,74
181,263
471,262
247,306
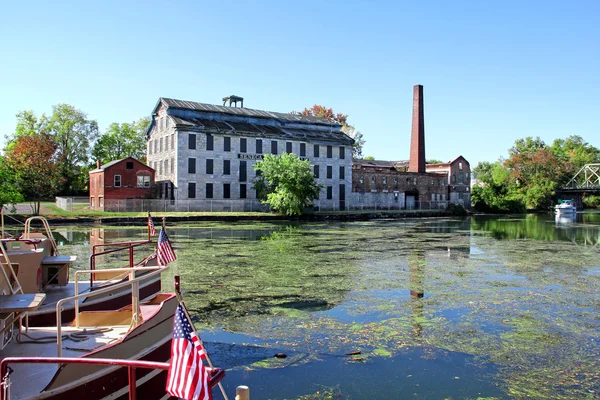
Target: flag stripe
x,y
164,251
188,378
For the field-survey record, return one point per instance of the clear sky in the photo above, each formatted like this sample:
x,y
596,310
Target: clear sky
x,y
492,71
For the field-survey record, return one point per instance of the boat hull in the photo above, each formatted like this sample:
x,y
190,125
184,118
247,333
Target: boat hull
x,y
150,341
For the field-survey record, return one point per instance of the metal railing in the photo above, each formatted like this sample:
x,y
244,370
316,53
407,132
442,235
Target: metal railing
x,y
192,205
124,246
133,282
216,374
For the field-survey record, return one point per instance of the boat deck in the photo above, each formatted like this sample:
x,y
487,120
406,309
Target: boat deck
x,y
30,379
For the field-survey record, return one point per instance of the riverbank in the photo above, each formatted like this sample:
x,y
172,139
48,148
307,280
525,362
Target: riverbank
x,y
140,218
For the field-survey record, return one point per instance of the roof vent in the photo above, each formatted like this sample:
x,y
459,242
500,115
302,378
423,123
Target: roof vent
x,y
231,101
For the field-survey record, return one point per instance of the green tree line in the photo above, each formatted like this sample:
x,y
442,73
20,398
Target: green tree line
x,y
51,155
529,177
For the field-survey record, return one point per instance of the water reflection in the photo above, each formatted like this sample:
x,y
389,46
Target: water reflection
x,y
416,263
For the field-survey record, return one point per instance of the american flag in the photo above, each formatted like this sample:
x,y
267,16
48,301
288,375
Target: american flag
x,y
188,378
164,253
151,225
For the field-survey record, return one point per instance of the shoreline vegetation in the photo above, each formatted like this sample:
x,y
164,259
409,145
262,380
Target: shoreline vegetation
x,y
58,216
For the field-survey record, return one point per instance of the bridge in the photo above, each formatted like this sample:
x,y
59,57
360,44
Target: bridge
x,y
586,180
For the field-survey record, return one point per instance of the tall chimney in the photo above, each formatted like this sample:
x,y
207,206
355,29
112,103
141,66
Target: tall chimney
x,y
417,139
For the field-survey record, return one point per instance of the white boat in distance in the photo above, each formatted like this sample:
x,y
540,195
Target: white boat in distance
x,y
565,207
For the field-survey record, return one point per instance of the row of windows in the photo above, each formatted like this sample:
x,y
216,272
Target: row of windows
x,y
243,146
384,181
461,177
244,167
142,181
156,146
158,166
209,191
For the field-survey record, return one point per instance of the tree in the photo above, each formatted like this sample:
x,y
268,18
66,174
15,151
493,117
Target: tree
x,y
434,161
73,134
32,161
9,193
122,140
285,183
576,152
496,191
324,112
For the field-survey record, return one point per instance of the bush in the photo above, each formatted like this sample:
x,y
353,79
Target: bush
x,y
591,201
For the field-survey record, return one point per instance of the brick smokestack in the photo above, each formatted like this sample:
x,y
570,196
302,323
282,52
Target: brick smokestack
x,y
417,139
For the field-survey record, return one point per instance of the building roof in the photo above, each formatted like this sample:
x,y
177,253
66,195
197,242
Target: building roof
x,y
381,163
210,118
114,162
244,112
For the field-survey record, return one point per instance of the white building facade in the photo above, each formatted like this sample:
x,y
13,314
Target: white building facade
x,y
205,152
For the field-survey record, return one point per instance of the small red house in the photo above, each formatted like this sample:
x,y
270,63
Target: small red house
x,y
115,186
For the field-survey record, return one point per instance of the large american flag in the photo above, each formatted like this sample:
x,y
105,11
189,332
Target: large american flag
x,y
188,378
151,225
164,252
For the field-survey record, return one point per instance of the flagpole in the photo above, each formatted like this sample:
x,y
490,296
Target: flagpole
x,y
185,311
148,223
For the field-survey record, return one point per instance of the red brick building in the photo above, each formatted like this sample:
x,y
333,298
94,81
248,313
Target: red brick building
x,y
458,175
120,181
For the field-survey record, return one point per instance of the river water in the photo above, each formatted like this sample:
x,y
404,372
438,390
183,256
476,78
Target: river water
x,y
451,308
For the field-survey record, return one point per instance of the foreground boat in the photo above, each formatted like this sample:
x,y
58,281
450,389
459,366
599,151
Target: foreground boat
x,y
40,268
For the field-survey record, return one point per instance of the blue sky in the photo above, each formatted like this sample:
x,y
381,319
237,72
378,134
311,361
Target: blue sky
x,y
492,71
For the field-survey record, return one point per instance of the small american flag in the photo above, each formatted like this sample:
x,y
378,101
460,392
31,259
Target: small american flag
x,y
164,252
188,378
151,225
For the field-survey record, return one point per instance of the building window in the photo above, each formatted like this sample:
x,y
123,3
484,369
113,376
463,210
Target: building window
x,y
316,150
101,202
288,147
173,141
342,152
461,178
191,165
361,179
226,191
453,177
210,142
129,165
160,168
372,180
243,171
117,180
329,192
150,147
302,149
415,181
273,146
316,171
243,145
460,165
191,190
143,181
342,173
155,146
93,204
432,182
395,180
242,191
166,143
329,151
259,146
166,167
172,165
161,143
384,179
209,190
192,141
226,143
226,167
329,172
209,166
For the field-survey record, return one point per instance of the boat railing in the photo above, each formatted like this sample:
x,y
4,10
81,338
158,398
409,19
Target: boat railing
x,y
133,282
216,374
121,246
27,231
